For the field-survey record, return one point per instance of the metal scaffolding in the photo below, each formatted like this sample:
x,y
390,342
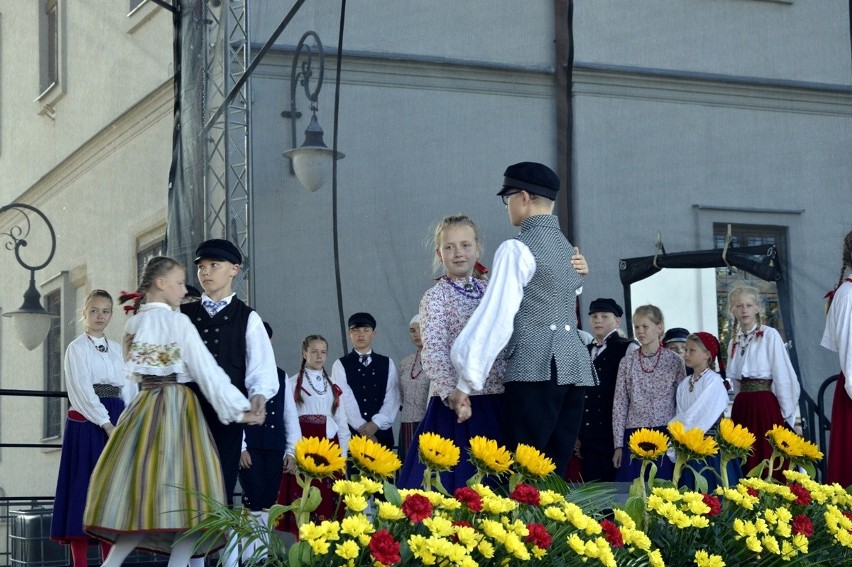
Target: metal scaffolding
x,y
227,183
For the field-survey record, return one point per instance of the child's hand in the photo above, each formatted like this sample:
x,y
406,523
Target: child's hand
x,y
251,418
290,464
245,460
578,261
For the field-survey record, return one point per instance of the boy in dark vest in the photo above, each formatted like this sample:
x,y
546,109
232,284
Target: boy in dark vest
x,y
594,445
235,336
529,308
369,382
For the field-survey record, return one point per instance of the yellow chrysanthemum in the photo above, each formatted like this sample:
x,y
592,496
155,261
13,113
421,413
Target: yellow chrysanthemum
x,y
347,550
438,453
648,443
488,456
371,458
693,442
319,458
533,462
704,559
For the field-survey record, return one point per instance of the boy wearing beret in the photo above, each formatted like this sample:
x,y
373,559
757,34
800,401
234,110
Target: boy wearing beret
x,y
529,308
235,336
369,382
594,444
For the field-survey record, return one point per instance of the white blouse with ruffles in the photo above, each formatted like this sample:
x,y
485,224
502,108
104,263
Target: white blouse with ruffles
x,y
838,330
315,401
86,366
164,342
704,405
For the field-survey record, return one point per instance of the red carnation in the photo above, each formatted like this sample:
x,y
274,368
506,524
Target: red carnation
x,y
538,536
469,497
612,533
847,513
803,496
801,524
752,492
417,508
384,548
526,494
714,504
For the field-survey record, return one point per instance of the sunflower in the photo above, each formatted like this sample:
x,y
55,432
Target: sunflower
x,y
810,451
319,458
488,457
533,462
648,443
733,439
438,453
786,442
693,442
371,458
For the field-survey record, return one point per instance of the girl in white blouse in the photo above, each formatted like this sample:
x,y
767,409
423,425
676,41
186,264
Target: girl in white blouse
x,y
97,391
765,385
312,408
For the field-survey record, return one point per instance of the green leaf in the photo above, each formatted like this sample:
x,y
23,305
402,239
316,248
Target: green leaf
x,y
314,499
392,494
635,508
300,554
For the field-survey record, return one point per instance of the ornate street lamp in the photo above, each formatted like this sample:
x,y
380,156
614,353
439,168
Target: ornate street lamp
x,y
31,321
312,161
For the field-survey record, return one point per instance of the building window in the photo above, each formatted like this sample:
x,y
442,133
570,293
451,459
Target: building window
x,y
53,367
728,278
48,46
158,248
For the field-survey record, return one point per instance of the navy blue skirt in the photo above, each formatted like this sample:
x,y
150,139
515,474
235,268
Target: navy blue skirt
x,y
687,478
82,445
441,420
631,466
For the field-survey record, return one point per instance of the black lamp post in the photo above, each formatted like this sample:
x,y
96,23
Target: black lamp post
x,y
311,162
31,321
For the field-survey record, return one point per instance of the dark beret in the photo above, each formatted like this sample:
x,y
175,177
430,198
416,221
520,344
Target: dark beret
x,y
218,249
606,305
675,335
531,177
362,320
192,291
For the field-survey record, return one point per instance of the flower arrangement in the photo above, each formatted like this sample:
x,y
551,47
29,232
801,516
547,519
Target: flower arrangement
x,y
516,510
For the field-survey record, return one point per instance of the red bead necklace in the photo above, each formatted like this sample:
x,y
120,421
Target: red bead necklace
x,y
656,355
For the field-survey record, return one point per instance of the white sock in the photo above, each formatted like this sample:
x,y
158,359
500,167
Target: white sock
x,y
122,547
196,562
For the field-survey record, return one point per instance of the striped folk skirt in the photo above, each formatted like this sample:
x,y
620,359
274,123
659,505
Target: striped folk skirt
x,y
155,472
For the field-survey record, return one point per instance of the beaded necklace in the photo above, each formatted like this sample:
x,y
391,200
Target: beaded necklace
x,y
473,289
411,373
316,390
695,378
756,332
656,355
100,348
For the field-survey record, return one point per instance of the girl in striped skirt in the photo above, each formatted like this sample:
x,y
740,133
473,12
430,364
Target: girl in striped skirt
x,y
160,464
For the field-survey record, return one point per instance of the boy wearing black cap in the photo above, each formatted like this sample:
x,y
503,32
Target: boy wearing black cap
x,y
369,382
235,335
594,445
529,308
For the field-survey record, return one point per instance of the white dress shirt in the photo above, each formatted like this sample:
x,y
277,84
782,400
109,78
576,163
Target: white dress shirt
x,y
390,406
838,330
261,370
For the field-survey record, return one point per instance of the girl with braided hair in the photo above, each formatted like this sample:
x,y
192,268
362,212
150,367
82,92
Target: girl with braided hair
x,y
137,497
766,388
312,409
838,338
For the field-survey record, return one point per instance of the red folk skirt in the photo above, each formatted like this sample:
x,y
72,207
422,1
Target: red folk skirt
x,y
758,412
312,426
840,442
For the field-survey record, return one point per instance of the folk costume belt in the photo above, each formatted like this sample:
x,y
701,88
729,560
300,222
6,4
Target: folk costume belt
x,y
312,418
150,382
755,385
107,391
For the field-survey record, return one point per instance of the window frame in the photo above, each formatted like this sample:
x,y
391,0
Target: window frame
x,y
51,42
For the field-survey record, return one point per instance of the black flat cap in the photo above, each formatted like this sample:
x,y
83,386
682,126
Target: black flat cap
x,y
531,177
362,320
218,249
192,291
606,305
675,335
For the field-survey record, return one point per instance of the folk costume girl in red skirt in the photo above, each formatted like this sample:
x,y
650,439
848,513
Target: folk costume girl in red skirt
x,y
765,386
312,408
838,337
